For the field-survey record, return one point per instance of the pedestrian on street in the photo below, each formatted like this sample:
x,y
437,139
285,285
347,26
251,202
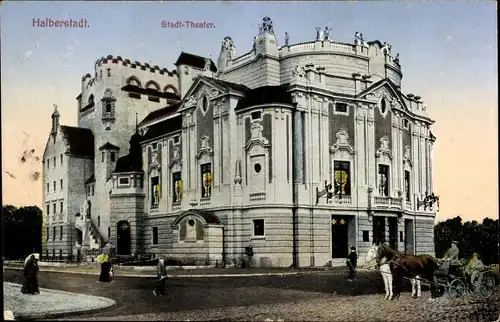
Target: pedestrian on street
x,y
30,274
352,264
106,269
161,271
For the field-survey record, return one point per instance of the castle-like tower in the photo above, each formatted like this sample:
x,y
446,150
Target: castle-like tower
x,y
80,160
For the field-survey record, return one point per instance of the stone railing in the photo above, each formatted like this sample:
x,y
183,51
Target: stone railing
x,y
387,202
258,196
342,200
205,201
244,58
408,205
327,45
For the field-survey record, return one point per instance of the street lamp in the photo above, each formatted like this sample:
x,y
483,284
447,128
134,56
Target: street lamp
x,y
428,201
325,192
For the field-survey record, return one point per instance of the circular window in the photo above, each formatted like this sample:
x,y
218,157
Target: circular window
x,y
257,168
191,222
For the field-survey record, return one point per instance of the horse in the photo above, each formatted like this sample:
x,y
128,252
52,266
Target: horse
x,y
385,271
411,267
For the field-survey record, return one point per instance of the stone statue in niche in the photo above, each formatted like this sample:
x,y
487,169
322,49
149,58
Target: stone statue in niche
x,y
205,142
384,143
256,130
342,138
175,152
382,183
299,71
154,158
407,153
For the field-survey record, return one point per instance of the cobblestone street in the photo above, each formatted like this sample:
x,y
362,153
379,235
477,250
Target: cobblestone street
x,y
321,297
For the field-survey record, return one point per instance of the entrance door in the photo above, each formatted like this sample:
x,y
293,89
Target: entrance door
x,y
340,246
409,237
393,233
123,238
378,229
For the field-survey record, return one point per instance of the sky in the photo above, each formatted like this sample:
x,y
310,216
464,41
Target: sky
x,y
448,52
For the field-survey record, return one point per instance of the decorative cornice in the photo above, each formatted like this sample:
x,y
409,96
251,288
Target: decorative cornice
x,y
257,138
342,143
205,148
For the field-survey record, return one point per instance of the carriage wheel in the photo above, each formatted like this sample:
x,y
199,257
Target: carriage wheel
x,y
487,286
456,288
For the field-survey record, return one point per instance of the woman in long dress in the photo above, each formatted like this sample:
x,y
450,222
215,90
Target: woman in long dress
x,y
105,263
30,274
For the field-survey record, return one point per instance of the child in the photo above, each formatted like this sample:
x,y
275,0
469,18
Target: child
x,y
352,263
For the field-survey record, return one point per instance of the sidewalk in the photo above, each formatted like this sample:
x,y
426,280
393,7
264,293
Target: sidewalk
x,y
185,272
50,303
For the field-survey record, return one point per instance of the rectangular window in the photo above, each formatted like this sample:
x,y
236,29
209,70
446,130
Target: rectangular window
x,y
61,183
342,178
61,205
177,186
406,124
124,181
407,185
383,180
113,156
54,233
48,210
206,180
102,156
108,107
60,232
98,221
54,162
256,115
366,236
155,235
176,139
54,208
109,232
92,189
48,187
154,146
60,253
341,107
258,227
48,163
88,190
378,229
155,191
53,253
61,159
54,184
401,239
47,233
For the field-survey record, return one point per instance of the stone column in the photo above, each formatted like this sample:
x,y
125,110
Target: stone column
x,y
396,167
298,147
360,167
370,144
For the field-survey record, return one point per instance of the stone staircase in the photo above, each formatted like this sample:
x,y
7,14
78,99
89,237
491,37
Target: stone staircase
x,y
96,240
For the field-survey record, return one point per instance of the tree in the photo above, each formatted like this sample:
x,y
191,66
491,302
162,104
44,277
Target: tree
x,y
471,236
22,231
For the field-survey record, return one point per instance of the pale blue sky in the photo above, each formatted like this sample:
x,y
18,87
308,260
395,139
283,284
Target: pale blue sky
x,y
448,52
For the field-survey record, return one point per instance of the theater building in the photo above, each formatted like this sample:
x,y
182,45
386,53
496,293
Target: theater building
x,y
298,150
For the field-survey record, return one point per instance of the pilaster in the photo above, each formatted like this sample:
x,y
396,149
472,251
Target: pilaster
x,y
360,155
416,162
372,171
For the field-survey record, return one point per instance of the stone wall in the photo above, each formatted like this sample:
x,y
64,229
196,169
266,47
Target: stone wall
x,y
424,236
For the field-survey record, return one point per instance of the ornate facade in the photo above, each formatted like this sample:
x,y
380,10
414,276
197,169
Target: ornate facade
x,y
299,151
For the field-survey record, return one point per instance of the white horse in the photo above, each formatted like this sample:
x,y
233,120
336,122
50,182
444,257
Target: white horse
x,y
385,271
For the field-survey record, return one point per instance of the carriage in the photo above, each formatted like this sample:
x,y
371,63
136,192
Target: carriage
x,y
456,283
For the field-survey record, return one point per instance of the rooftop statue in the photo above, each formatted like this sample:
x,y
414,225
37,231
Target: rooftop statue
x,y
267,26
327,32
320,35
357,38
287,38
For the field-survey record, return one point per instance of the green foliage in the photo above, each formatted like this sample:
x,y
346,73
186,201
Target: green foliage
x,y
471,236
22,231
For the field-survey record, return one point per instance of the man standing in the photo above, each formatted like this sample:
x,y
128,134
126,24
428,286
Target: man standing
x,y
352,263
161,272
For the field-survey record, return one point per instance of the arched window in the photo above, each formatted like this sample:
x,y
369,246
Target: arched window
x,y
153,85
383,105
98,221
170,89
91,99
132,80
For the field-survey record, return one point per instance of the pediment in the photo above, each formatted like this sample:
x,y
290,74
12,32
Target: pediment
x,y
385,89
202,87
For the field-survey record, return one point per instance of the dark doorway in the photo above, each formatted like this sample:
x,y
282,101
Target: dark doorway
x,y
123,238
378,229
79,236
393,233
340,243
409,237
